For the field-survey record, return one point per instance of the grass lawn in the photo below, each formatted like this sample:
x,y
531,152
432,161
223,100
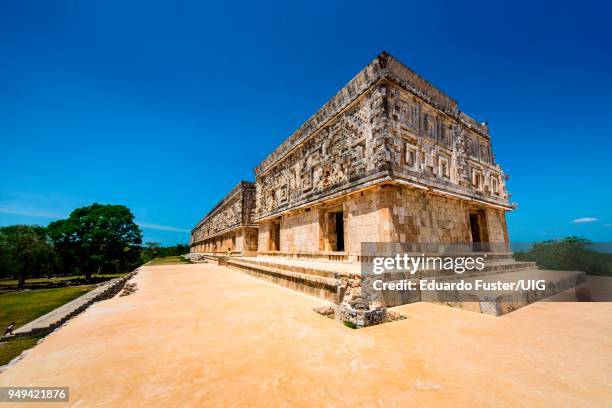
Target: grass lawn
x,y
41,283
23,307
11,349
168,260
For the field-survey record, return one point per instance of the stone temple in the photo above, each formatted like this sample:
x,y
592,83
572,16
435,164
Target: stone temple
x,y
389,158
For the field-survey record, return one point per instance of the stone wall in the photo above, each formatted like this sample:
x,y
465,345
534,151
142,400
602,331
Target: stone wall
x,y
300,231
248,240
428,147
397,126
263,236
387,213
498,230
335,157
217,244
422,217
367,219
229,225
307,230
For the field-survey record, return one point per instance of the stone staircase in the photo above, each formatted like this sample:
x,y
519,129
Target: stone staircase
x,y
491,267
55,318
328,280
319,282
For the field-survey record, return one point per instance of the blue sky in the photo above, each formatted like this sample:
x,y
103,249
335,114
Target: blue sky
x,y
163,107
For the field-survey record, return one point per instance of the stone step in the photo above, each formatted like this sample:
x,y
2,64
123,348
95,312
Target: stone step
x,y
326,283
498,255
494,303
497,266
334,269
313,256
55,318
324,287
325,269
501,302
488,256
338,269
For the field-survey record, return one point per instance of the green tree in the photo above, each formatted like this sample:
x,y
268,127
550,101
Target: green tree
x,y
182,249
26,251
98,238
569,254
154,250
153,247
151,251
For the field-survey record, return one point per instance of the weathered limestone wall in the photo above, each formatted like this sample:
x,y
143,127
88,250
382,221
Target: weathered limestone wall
x,y
264,236
387,213
429,147
421,217
241,240
246,241
336,158
229,225
219,244
367,219
250,240
498,230
300,231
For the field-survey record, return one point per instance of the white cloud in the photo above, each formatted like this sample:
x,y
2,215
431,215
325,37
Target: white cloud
x,y
161,227
583,220
38,213
29,212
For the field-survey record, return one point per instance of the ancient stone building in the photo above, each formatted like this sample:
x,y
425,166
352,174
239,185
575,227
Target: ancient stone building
x,y
389,158
229,225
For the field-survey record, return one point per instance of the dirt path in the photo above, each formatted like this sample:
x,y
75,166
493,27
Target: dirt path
x,y
201,334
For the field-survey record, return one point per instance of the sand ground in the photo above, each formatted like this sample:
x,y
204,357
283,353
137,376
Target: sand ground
x,y
202,335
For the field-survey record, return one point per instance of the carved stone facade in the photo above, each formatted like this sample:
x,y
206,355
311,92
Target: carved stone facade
x,y
389,158
229,226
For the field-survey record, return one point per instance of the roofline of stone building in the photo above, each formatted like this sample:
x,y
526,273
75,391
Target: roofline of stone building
x,y
384,66
387,177
242,185
225,231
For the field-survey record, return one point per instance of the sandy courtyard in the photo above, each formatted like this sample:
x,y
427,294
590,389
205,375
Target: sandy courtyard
x,y
209,336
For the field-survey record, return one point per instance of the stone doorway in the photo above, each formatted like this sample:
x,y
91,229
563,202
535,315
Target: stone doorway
x,y
478,230
334,230
339,224
275,236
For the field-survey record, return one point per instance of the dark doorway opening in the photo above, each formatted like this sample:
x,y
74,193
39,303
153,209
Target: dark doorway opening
x,y
475,228
276,236
479,231
339,231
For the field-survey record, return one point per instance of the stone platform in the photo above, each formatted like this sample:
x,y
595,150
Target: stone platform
x,y
332,280
318,278
204,335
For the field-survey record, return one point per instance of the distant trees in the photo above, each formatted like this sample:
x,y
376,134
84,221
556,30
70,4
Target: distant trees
x,y
151,249
570,254
25,252
98,238
181,249
154,250
93,239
